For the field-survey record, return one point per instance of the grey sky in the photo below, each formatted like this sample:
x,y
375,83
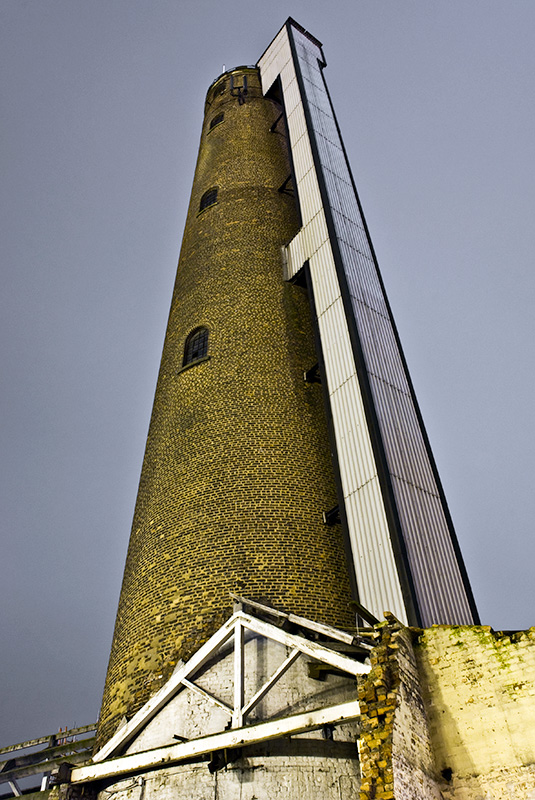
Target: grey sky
x,y
102,103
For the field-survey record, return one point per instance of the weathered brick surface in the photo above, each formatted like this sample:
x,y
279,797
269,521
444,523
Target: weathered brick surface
x,y
450,716
397,759
237,468
413,761
480,698
378,697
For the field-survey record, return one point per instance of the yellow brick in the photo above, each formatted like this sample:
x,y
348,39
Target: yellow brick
x,y
237,470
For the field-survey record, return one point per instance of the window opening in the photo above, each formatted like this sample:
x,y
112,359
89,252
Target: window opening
x,y
216,120
196,346
208,199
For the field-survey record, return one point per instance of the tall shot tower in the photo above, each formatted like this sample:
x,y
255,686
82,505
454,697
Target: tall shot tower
x,y
237,471
286,460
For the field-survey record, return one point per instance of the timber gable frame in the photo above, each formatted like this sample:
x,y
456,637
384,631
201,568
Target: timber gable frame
x,y
108,762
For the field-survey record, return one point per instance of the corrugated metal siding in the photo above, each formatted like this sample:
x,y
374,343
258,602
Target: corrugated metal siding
x,y
435,572
379,587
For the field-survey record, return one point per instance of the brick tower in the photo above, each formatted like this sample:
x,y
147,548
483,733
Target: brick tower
x,y
287,473
237,472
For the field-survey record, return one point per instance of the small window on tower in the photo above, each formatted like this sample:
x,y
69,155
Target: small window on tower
x,y
217,120
208,199
196,346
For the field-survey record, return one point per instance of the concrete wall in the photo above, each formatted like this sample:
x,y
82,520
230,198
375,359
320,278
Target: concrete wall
x,y
252,778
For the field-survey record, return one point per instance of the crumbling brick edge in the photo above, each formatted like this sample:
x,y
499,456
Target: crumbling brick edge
x,y
378,697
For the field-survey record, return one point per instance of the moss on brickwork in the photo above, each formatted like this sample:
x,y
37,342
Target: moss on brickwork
x,y
479,692
237,470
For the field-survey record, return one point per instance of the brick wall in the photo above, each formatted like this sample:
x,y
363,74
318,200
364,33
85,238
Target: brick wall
x,y
395,749
479,689
448,712
237,470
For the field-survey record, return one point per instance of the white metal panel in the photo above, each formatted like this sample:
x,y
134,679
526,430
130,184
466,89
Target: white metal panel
x,y
296,255
335,154
379,338
357,461
339,364
287,74
375,570
326,289
354,233
304,165
292,98
296,124
308,190
353,440
434,561
274,59
313,77
316,233
361,285
425,531
325,125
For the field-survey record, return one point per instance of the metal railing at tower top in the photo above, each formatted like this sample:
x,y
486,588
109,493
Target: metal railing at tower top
x,y
19,762
232,69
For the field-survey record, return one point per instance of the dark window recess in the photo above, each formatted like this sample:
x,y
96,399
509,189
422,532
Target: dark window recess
x,y
208,199
196,346
216,120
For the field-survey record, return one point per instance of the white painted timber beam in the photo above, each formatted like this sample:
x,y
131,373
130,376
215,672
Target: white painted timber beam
x,y
167,691
308,648
239,678
234,626
264,731
308,624
261,693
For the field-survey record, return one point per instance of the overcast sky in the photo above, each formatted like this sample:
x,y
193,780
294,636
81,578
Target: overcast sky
x,y
102,104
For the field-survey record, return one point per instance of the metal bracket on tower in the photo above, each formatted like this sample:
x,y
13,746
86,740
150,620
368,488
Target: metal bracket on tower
x,y
283,188
312,375
274,126
239,91
332,516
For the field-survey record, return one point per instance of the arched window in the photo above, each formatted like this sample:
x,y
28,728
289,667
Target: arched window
x,y
196,346
217,120
208,199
